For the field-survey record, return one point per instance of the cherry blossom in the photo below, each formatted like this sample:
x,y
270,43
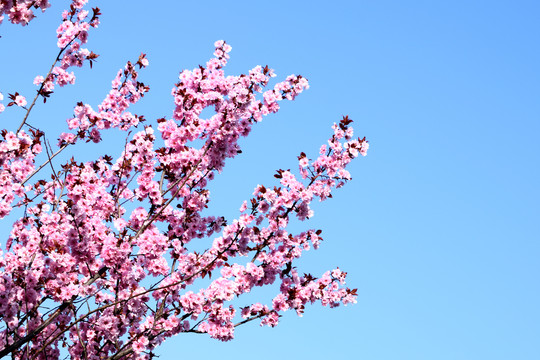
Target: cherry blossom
x,y
100,262
20,100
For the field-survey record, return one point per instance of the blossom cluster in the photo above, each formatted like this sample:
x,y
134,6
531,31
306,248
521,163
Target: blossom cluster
x,y
22,11
17,154
113,111
72,33
102,261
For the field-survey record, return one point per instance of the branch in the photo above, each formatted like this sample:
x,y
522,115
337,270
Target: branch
x,y
43,84
45,163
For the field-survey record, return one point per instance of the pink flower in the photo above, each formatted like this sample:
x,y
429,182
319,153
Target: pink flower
x,y
364,148
20,100
139,345
38,80
120,224
82,15
68,138
83,36
243,207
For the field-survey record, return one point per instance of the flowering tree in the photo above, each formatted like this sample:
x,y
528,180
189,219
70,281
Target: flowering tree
x,y
100,261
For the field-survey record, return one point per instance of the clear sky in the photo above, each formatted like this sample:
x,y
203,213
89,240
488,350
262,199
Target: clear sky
x,y
439,229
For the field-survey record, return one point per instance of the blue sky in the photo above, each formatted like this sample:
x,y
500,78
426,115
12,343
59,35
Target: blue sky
x,y
439,229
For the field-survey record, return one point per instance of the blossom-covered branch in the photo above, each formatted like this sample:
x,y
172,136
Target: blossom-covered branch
x,y
102,262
